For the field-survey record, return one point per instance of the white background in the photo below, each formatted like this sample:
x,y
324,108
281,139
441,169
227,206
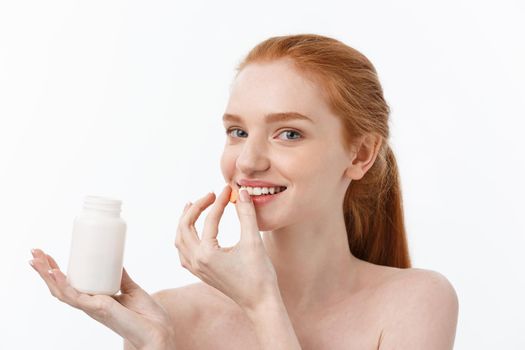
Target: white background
x,y
125,98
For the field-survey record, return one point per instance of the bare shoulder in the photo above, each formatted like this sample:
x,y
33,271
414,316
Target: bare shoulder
x,y
401,280
415,282
421,311
179,304
198,293
187,302
174,298
183,295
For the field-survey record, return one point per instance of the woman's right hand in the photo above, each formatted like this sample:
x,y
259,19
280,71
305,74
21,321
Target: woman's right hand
x,y
133,314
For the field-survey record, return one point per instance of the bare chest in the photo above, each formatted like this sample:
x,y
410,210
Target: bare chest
x,y
346,327
341,329
354,323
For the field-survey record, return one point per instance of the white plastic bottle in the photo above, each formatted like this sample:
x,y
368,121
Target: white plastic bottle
x,y
97,247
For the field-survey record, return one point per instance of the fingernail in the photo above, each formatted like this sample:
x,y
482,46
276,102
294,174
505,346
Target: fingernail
x,y
245,196
32,263
50,272
33,251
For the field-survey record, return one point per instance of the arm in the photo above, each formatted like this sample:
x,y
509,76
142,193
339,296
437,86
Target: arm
x,y
167,340
161,346
273,326
128,345
423,316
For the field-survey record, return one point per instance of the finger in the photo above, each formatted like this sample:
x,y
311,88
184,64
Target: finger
x,y
69,294
97,306
188,232
39,254
197,208
55,279
42,268
247,217
41,264
106,310
185,210
48,268
82,301
128,285
102,308
178,238
211,223
184,262
52,263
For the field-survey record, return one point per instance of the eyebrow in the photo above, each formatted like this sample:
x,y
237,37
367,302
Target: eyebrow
x,y
270,118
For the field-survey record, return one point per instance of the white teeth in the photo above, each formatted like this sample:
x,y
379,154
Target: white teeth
x,y
257,191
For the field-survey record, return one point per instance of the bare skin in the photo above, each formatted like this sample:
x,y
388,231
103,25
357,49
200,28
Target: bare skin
x,y
355,322
333,299
204,318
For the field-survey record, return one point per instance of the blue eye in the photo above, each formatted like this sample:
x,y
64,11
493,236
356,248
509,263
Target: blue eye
x,y
229,133
292,132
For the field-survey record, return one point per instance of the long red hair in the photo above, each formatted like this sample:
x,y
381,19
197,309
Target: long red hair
x,y
372,206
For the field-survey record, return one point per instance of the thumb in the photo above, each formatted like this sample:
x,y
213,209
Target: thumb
x,y
127,285
247,217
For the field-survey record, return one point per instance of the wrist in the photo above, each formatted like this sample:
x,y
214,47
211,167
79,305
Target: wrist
x,y
162,341
269,304
272,325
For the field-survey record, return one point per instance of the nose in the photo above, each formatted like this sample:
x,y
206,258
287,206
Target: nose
x,y
253,157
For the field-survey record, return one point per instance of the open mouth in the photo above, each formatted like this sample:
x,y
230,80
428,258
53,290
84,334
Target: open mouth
x,y
263,191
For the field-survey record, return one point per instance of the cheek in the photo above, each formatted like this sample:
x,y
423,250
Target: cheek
x,y
315,177
227,165
305,168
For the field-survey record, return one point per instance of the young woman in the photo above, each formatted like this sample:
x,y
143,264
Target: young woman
x,y
307,137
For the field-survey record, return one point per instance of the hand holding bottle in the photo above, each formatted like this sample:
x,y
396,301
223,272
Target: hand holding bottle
x,y
133,314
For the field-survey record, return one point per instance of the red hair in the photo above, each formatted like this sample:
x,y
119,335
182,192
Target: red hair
x,y
372,206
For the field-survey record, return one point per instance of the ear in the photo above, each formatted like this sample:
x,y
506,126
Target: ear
x,y
367,149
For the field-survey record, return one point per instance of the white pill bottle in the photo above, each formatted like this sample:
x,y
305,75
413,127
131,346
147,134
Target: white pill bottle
x,y
97,247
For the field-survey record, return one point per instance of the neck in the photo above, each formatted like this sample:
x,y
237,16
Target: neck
x,y
313,263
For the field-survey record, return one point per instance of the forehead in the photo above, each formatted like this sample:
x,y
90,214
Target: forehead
x,y
276,86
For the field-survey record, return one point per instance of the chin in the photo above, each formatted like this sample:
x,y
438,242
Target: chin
x,y
271,219
268,225
265,227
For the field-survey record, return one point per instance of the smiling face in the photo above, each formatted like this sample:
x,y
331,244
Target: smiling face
x,y
304,154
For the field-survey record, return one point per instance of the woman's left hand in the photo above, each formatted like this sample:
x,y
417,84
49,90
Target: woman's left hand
x,y
243,272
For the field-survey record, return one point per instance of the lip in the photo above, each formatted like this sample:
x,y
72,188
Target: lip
x,y
262,200
257,183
